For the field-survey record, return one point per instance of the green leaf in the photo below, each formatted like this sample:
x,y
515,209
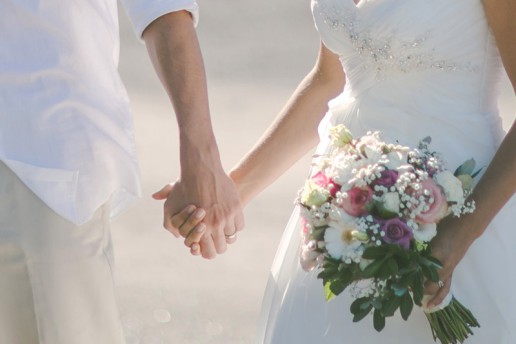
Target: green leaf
x,y
430,273
406,306
356,306
377,304
383,213
399,289
435,262
328,294
362,313
337,286
372,269
407,279
418,288
466,168
378,320
391,305
477,172
392,265
375,252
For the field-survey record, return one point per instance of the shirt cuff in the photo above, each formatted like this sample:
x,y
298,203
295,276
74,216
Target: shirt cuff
x,y
143,12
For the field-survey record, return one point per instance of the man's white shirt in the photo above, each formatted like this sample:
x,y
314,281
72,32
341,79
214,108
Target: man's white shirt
x,y
65,124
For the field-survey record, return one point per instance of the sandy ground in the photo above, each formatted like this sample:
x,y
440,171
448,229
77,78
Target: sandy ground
x,y
256,53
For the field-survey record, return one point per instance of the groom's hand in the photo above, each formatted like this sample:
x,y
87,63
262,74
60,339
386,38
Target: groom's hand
x,y
215,197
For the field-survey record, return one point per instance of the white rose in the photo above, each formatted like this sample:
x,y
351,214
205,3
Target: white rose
x,y
425,232
396,159
373,154
452,186
314,194
391,202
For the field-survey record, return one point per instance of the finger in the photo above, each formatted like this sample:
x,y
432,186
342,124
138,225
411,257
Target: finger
x,y
440,295
219,238
195,249
207,246
195,234
167,223
431,288
231,235
173,222
179,219
239,222
191,222
163,193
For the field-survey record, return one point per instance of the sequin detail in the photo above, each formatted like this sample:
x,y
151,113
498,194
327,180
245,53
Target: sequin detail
x,y
389,53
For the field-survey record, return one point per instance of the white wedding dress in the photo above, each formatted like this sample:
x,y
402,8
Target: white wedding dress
x,y
414,68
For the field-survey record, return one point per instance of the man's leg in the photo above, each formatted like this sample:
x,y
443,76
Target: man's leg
x,y
70,271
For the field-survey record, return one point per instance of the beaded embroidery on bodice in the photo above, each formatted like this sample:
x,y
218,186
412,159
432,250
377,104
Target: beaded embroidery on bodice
x,y
390,53
359,34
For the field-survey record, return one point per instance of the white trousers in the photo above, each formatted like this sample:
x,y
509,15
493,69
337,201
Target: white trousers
x,y
56,278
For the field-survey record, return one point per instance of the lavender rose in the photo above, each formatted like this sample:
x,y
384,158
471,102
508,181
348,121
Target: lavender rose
x,y
388,178
397,232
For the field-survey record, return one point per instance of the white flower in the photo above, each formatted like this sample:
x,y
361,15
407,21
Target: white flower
x,y
337,215
396,159
391,202
452,186
341,243
425,232
313,194
340,135
373,154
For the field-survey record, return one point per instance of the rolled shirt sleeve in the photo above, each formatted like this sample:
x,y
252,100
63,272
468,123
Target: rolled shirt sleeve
x,y
143,12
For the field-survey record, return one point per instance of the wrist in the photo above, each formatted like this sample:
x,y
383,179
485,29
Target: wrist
x,y
244,189
199,155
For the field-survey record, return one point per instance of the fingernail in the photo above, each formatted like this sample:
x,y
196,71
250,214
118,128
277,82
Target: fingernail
x,y
200,214
190,209
200,228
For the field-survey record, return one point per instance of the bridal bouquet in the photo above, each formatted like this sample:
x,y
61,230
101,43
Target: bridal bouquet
x,y
369,212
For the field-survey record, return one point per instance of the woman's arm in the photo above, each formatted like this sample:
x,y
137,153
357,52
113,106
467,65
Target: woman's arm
x,y
498,184
294,131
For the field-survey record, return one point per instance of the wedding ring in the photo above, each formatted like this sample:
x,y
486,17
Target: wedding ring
x,y
231,236
440,283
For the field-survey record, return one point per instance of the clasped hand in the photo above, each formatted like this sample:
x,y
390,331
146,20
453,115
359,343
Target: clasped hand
x,y
205,210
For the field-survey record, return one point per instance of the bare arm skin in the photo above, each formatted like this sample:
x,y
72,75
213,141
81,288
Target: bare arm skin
x,y
173,47
498,184
294,131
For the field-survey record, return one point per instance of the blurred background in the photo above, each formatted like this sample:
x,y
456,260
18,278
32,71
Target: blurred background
x,y
255,52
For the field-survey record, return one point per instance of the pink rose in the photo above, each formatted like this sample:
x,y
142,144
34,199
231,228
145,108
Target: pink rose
x,y
326,182
438,209
357,201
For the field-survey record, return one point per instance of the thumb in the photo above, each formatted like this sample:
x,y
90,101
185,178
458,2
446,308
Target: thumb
x,y
163,193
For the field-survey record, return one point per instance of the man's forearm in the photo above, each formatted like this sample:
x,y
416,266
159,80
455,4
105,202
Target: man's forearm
x,y
173,47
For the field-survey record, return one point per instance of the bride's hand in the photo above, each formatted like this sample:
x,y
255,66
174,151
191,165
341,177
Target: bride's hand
x,y
449,246
189,224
